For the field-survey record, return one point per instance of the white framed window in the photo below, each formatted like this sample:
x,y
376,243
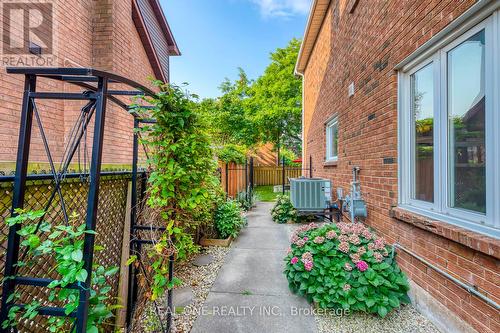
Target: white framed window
x,y
332,139
449,124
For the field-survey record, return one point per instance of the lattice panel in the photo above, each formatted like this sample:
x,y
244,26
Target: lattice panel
x,y
110,224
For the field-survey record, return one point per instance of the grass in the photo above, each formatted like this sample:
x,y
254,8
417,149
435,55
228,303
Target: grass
x,y
265,193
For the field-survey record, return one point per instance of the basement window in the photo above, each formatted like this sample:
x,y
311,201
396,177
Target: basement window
x,y
332,136
449,130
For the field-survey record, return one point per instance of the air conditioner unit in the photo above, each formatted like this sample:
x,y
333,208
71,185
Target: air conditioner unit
x,y
310,194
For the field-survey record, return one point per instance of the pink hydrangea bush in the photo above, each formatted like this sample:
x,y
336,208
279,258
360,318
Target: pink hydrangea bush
x,y
345,266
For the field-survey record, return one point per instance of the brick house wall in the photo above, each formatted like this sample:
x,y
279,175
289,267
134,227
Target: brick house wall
x,y
87,33
361,42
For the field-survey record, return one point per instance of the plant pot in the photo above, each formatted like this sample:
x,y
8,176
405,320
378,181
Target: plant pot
x,y
216,242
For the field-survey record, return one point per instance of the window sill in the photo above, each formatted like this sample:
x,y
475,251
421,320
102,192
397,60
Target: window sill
x,y
330,163
479,242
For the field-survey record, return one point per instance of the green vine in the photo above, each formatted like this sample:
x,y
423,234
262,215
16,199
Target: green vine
x,y
182,187
64,245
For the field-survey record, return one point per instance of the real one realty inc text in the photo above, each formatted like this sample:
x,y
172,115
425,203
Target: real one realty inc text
x,y
263,311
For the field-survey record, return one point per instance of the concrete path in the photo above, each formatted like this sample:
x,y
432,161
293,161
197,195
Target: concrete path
x,y
251,293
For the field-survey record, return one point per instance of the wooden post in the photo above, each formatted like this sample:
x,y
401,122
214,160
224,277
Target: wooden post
x,y
121,314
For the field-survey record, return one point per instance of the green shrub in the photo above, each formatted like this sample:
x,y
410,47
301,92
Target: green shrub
x,y
283,210
345,266
246,202
228,219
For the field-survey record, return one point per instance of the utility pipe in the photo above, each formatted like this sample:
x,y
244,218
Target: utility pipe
x,y
467,287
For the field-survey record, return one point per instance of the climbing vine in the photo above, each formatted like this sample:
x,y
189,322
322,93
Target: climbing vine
x,y
62,244
182,186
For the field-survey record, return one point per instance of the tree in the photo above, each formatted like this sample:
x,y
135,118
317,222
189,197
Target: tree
x,y
276,100
227,116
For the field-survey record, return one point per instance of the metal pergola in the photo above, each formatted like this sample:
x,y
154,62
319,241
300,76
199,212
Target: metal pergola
x,y
96,89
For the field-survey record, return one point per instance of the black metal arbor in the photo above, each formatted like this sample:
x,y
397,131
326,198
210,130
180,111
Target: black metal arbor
x,y
96,89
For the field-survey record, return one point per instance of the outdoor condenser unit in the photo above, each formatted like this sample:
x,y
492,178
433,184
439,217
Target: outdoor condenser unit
x,y
310,194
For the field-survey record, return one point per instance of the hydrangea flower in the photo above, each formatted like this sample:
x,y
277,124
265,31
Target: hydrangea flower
x,y
379,244
344,228
362,265
378,257
319,240
308,265
300,243
306,239
307,256
367,234
371,246
361,250
354,239
348,266
346,287
344,247
294,260
358,228
343,238
355,258
331,234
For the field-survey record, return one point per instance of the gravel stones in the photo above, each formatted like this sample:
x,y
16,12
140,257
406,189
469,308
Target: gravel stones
x,y
404,320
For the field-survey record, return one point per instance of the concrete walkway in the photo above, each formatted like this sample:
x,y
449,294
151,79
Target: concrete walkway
x,y
251,292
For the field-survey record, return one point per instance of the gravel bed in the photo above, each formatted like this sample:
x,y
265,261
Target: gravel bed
x,y
200,279
404,320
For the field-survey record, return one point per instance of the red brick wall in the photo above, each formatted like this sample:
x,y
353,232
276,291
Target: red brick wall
x,y
88,33
363,47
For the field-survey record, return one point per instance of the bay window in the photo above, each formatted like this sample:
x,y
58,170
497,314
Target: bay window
x,y
449,149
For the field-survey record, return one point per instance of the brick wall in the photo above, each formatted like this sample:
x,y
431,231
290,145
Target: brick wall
x,y
88,33
363,47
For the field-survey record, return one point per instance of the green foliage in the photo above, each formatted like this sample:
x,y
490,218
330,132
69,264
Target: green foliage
x,y
345,266
266,110
64,245
276,99
288,156
232,153
227,117
283,210
246,201
228,219
182,188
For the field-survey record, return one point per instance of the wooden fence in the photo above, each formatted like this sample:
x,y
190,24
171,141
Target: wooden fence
x,y
238,178
234,178
273,175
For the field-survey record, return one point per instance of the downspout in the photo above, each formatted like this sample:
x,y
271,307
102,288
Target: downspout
x,y
303,154
465,286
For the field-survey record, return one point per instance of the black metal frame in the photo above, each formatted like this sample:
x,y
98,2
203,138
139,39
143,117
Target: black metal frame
x,y
95,85
136,242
